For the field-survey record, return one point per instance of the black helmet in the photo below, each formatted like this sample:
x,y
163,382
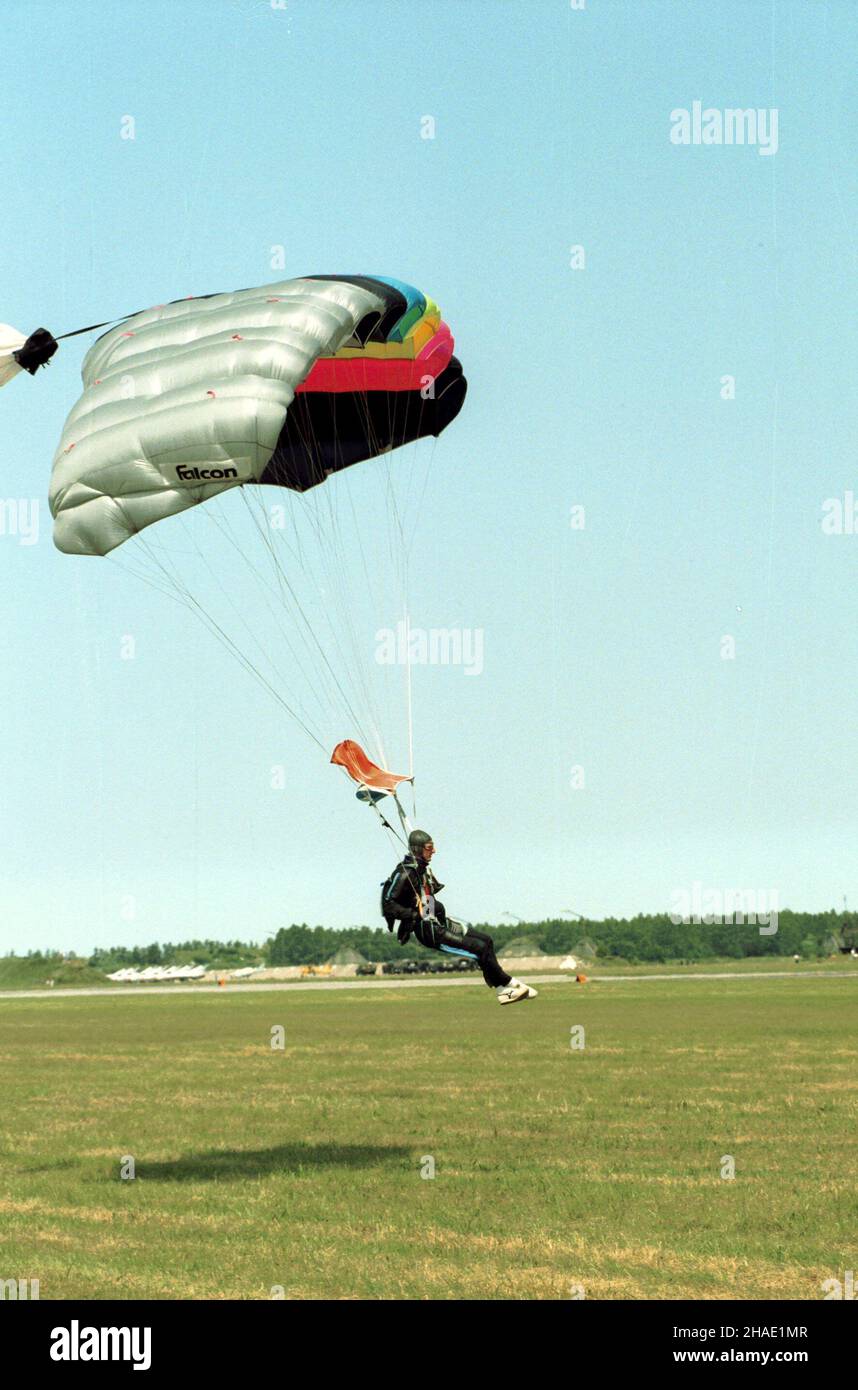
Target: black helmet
x,y
418,840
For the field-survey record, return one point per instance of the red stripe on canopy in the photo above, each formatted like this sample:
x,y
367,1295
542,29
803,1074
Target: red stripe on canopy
x,y
382,373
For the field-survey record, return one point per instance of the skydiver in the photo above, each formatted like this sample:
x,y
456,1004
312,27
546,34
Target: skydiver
x,y
409,898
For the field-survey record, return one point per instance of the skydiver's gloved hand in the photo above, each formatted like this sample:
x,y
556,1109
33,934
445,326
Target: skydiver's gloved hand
x,y
406,926
37,351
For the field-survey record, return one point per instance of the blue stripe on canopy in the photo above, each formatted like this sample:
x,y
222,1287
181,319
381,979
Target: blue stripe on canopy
x,y
413,298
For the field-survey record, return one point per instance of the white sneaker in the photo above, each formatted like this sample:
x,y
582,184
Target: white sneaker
x,y
511,993
531,992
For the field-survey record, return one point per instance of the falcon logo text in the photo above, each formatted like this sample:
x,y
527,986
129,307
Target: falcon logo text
x,y
203,475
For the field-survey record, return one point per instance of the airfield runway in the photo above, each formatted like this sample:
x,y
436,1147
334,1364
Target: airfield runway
x,y
400,982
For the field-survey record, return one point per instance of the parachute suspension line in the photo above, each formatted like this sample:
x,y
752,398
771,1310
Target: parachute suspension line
x,y
186,596
335,584
401,552
144,576
419,508
400,555
178,590
370,801
197,604
283,578
217,631
375,607
408,692
342,583
173,586
399,543
318,692
387,826
329,547
407,547
223,525
404,576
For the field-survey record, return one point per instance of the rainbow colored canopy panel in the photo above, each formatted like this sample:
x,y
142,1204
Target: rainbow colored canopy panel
x,y
285,384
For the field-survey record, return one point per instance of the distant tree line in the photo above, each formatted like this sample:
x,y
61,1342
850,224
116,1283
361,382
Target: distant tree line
x,y
643,938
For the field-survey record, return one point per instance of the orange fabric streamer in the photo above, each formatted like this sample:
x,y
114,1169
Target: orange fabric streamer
x,y
351,756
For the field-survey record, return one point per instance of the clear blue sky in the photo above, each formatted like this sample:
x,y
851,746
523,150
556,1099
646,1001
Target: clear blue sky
x,y
148,781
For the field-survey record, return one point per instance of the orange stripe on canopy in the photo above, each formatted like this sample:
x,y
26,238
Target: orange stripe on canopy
x,y
351,756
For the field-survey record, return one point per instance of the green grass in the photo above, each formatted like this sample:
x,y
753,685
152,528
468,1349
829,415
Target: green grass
x,y
747,965
554,1167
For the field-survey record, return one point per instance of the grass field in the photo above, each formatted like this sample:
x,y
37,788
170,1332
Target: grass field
x,y
554,1167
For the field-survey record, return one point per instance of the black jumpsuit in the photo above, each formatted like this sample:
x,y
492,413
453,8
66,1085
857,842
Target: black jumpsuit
x,y
405,902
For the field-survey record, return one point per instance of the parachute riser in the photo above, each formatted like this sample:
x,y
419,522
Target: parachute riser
x,y
404,821
386,823
365,794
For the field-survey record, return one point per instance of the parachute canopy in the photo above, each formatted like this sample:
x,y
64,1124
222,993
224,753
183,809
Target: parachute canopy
x,y
284,384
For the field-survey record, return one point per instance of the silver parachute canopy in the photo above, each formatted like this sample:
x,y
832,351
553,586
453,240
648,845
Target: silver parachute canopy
x,y
282,384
